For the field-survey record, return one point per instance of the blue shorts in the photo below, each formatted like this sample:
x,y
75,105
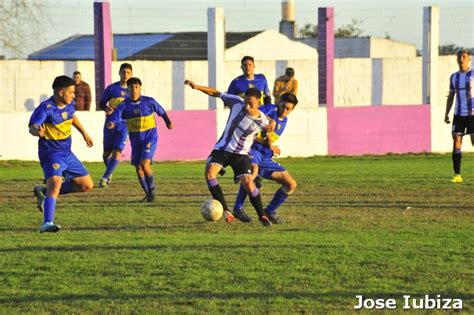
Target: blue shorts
x,y
145,151
68,165
115,139
266,165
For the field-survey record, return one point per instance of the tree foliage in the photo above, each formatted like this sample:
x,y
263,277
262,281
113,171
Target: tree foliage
x,y
349,30
21,24
451,49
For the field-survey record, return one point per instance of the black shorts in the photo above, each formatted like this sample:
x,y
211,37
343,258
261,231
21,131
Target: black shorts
x,y
463,125
240,163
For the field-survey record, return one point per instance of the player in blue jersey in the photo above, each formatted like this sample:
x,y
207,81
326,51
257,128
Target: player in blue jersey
x,y
114,139
138,112
461,85
52,122
248,80
262,163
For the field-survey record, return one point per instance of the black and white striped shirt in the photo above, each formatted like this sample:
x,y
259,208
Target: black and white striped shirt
x,y
241,129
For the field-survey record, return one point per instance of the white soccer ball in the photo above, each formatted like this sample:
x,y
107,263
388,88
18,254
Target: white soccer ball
x,y
212,210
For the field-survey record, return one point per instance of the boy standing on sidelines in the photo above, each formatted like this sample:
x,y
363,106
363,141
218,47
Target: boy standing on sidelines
x,y
461,85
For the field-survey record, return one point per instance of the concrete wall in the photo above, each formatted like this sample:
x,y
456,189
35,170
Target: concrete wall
x,y
358,81
352,47
389,48
378,130
192,138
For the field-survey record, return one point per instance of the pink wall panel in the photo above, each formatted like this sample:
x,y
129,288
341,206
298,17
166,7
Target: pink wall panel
x,y
379,129
192,138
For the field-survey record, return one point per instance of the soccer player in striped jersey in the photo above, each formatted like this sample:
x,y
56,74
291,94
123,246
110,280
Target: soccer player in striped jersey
x,y
263,164
461,85
114,139
248,80
52,122
138,112
244,123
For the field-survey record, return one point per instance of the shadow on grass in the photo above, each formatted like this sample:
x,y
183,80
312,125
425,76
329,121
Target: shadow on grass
x,y
225,296
164,227
187,247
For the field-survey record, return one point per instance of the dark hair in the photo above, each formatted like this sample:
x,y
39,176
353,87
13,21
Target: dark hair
x,y
462,52
76,72
125,66
61,82
247,58
132,81
289,98
253,92
290,72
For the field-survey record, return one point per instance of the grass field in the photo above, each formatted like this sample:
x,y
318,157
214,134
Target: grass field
x,y
347,231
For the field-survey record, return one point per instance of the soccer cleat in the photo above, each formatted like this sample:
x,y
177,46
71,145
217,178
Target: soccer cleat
x,y
242,215
109,180
150,197
103,183
456,179
265,221
274,218
258,182
228,216
50,227
38,191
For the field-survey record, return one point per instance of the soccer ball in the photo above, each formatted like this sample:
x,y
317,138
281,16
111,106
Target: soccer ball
x,y
212,210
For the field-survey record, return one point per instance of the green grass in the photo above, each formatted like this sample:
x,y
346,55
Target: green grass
x,y
347,231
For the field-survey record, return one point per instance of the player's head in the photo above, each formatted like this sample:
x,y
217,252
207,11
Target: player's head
x,y
76,75
125,72
288,102
247,65
464,59
63,87
134,86
252,100
290,72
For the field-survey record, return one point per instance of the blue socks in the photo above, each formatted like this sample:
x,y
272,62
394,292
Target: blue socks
x,y
143,184
67,188
111,166
240,199
279,197
150,182
49,209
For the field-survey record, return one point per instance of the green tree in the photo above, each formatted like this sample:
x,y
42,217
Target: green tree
x,y
349,30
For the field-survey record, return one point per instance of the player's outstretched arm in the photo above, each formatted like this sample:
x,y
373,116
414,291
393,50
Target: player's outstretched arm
x,y
205,89
77,124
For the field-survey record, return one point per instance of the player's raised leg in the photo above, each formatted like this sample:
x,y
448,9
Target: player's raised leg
x,y
288,187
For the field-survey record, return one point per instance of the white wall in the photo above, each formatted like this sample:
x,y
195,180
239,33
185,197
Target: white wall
x,y
358,81
306,135
389,48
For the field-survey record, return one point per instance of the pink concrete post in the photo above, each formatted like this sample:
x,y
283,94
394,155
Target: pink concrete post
x,y
102,48
326,56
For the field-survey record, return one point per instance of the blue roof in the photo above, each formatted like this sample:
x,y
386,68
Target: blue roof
x,y
81,47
